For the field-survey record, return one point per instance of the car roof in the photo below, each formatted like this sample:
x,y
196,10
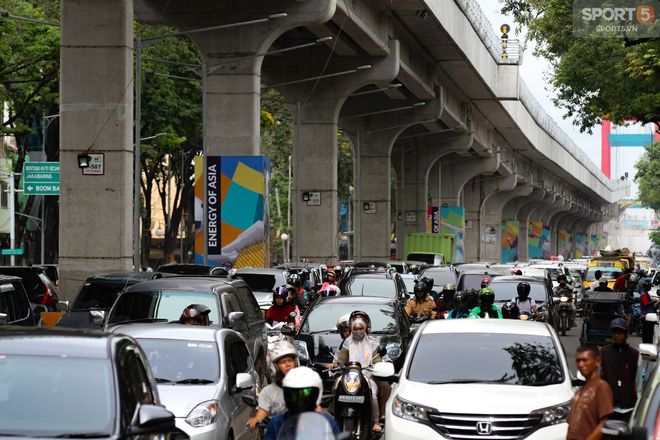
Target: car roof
x,y
55,341
259,270
10,278
373,274
356,299
488,271
514,278
499,326
447,268
121,277
180,283
170,331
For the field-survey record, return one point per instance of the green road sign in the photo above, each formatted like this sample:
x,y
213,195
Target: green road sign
x,y
12,251
41,178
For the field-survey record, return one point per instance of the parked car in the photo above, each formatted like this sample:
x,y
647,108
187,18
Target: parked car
x,y
472,278
379,282
163,300
40,289
92,385
506,288
318,329
99,292
481,378
52,272
14,303
202,374
262,281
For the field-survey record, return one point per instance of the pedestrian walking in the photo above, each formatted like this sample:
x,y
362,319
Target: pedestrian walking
x,y
622,369
592,404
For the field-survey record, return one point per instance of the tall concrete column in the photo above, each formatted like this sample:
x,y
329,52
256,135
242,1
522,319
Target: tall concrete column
x,y
316,107
525,217
556,224
511,208
96,115
493,214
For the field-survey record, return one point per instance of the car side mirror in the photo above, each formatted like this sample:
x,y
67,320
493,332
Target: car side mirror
x,y
250,400
97,317
244,381
235,319
616,429
4,319
649,351
62,306
151,419
385,371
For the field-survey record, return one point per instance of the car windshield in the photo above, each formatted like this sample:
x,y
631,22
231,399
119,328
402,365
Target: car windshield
x,y
84,384
324,317
159,305
262,282
182,361
507,290
441,277
364,286
512,359
410,284
610,272
97,296
554,271
472,281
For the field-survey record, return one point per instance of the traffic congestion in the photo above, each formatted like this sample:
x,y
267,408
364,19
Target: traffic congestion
x,y
376,349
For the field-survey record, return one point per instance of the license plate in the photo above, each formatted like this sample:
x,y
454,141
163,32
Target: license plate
x,y
351,399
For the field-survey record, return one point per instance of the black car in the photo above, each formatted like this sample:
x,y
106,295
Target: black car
x,y
40,289
14,303
379,282
472,278
311,274
262,281
231,303
99,292
441,276
318,328
94,384
192,269
506,288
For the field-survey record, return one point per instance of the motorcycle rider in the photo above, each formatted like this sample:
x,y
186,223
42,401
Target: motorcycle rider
x,y
195,314
630,297
472,298
444,304
302,389
523,301
510,311
343,329
280,310
330,291
422,303
460,307
565,287
295,280
296,301
330,279
362,348
485,282
648,305
486,307
283,358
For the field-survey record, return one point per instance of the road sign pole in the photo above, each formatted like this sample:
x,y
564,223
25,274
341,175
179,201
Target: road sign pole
x,y
12,215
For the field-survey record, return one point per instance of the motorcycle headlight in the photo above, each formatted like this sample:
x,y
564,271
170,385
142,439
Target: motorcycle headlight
x,y
301,348
393,350
409,411
563,299
352,382
553,415
204,414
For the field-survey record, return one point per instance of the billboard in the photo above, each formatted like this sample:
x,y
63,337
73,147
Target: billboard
x,y
452,221
510,230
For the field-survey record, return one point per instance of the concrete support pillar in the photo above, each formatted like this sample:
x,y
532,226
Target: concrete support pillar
x,y
493,214
96,115
525,217
556,224
316,112
511,208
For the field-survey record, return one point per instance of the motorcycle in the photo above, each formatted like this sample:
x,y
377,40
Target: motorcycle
x,y
562,321
275,335
636,323
309,425
261,426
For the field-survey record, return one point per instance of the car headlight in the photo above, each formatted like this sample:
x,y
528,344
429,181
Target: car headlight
x,y
393,350
553,415
409,411
204,414
301,348
352,382
563,299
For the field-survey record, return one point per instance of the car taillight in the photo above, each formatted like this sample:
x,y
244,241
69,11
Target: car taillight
x,y
49,298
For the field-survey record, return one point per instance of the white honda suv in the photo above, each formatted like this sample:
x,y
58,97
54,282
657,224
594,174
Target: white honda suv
x,y
481,379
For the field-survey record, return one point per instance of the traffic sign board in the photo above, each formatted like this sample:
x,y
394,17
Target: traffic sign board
x,y
12,251
41,178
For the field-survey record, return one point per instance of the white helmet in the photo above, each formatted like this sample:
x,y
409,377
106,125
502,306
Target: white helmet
x,y
331,290
282,349
300,378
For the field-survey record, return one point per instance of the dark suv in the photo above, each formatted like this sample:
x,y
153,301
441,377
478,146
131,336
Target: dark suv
x,y
40,289
375,281
506,289
14,303
232,306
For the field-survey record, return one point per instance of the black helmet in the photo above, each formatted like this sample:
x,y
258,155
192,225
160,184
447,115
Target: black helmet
x,y
421,285
281,292
524,289
510,311
460,297
561,276
197,312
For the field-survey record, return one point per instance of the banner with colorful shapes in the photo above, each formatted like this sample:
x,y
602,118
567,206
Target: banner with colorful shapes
x,y
594,246
452,221
433,220
510,230
535,240
582,245
238,217
545,242
565,244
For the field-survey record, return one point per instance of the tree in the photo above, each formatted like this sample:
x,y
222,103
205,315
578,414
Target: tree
x,y
655,236
648,177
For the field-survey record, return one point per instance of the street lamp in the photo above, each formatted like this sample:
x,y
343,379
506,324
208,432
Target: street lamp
x,y
285,239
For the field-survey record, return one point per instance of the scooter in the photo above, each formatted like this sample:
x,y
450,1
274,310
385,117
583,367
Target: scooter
x,y
563,313
352,401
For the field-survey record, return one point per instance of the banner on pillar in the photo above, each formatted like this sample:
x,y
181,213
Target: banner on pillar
x,y
433,220
564,244
510,230
581,245
545,242
594,246
535,240
602,242
452,221
238,215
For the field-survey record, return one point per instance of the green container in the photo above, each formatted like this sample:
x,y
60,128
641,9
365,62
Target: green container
x,y
425,246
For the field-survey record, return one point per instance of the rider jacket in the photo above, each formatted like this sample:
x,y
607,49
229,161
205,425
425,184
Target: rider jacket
x,y
424,307
619,369
461,313
492,312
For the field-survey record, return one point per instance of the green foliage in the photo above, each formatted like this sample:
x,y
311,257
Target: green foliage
x,y
655,236
648,176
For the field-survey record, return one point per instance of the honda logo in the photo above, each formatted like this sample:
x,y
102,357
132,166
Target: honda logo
x,y
484,428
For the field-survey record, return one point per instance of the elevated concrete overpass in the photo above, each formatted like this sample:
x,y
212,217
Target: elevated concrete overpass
x,y
460,123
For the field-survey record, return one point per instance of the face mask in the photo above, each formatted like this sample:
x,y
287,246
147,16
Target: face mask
x,y
359,335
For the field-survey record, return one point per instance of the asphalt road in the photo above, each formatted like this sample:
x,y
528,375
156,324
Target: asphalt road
x,y
571,342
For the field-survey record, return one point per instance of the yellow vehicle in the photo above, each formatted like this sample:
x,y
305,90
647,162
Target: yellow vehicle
x,y
611,269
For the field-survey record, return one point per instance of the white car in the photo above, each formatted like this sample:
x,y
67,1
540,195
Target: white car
x,y
481,378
